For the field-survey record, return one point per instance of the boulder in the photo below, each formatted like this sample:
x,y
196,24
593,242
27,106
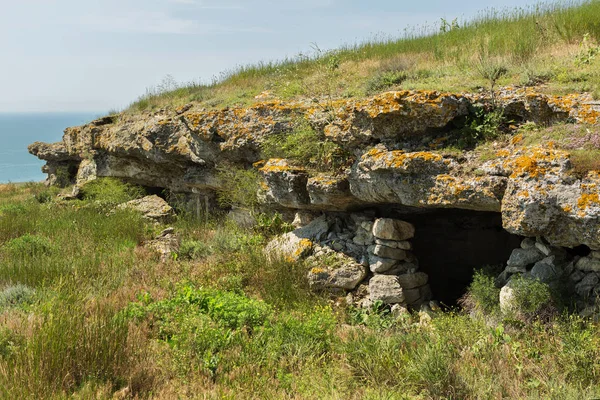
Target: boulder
x,y
165,244
346,276
388,252
546,270
588,264
413,280
385,288
363,237
393,229
404,245
527,243
586,285
520,259
152,207
298,243
379,265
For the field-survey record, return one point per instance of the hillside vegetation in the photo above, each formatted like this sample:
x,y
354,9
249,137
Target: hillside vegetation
x,y
553,46
88,311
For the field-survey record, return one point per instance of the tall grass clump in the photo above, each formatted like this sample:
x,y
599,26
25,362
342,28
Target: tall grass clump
x,y
110,191
67,349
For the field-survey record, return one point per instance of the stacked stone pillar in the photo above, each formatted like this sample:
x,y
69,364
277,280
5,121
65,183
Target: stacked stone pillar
x,y
396,279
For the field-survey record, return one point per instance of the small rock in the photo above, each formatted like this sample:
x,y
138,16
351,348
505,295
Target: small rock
x,y
595,255
152,207
401,268
367,225
363,238
338,246
412,281
546,270
507,299
543,248
388,252
302,218
399,311
576,276
588,264
527,243
346,277
585,286
378,265
404,245
393,229
521,258
385,288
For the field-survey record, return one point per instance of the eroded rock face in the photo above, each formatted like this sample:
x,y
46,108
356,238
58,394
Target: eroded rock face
x,y
180,149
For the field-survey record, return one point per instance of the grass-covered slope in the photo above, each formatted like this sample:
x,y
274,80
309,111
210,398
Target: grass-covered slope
x,y
552,45
87,311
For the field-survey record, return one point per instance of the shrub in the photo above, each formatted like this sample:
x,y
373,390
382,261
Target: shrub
x,y
29,246
385,80
110,191
481,125
482,295
16,296
532,299
45,195
239,187
193,249
307,147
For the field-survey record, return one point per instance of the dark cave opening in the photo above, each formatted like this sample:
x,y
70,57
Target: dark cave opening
x,y
451,244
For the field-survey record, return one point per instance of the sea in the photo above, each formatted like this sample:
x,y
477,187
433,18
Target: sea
x,y
18,130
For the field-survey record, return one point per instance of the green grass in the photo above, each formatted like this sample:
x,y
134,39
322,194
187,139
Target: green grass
x,y
554,43
87,312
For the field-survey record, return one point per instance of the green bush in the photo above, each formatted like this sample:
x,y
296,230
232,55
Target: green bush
x,y
239,187
481,125
16,296
29,246
193,249
110,191
385,80
307,147
531,297
482,295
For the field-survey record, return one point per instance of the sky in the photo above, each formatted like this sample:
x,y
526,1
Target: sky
x,y
98,55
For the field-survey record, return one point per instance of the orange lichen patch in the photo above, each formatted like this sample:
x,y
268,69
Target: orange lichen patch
x,y
317,270
303,247
577,106
534,162
279,165
567,208
503,153
588,200
398,158
516,139
163,122
523,193
259,164
324,180
453,185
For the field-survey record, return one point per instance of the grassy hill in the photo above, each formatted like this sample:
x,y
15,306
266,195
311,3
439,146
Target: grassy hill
x,y
553,46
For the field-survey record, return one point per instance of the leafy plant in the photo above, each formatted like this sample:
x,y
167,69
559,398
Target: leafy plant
x,y
482,294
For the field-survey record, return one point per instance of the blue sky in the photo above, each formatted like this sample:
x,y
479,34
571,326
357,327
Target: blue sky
x,y
95,55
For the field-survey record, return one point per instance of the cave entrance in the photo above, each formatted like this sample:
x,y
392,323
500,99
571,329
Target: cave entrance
x,y
451,244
